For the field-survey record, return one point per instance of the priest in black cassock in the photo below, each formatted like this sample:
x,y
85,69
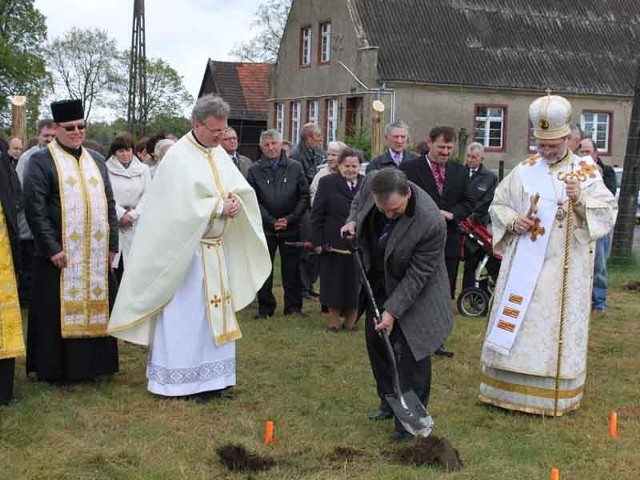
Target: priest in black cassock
x,y
71,211
11,340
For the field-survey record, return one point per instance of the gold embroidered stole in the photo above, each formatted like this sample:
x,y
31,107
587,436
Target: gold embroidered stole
x,y
220,309
11,340
84,283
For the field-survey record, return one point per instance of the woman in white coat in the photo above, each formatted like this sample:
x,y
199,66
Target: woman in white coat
x,y
130,179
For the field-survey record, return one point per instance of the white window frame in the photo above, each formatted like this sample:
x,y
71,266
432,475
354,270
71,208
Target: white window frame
x,y
305,46
312,111
295,121
597,125
280,118
332,120
533,141
483,124
325,42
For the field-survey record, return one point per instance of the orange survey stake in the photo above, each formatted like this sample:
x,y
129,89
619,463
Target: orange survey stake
x,y
268,433
613,425
555,474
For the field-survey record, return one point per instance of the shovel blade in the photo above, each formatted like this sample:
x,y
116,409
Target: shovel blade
x,y
411,413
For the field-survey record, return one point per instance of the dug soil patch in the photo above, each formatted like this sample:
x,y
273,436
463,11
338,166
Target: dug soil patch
x,y
238,459
431,451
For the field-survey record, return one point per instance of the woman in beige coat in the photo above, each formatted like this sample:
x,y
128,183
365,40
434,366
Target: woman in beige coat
x,y
130,179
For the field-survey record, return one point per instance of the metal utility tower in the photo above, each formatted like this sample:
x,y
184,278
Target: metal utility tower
x,y
137,104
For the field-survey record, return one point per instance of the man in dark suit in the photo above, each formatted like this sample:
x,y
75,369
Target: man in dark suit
x,y
396,135
402,237
448,184
483,184
230,144
310,155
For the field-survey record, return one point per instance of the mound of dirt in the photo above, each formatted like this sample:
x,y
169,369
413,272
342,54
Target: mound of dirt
x,y
238,459
431,451
632,285
344,454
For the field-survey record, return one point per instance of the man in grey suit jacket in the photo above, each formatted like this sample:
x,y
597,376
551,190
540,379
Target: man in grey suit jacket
x,y
402,235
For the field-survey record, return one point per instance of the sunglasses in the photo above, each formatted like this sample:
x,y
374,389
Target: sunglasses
x,y
71,128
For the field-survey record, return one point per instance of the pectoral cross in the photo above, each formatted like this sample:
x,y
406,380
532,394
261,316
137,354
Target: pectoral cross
x,y
537,230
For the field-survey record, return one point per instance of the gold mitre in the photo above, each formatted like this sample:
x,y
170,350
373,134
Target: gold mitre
x,y
550,116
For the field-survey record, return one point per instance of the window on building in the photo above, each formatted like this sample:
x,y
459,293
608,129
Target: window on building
x,y
279,107
312,111
533,141
332,120
325,42
295,121
491,126
597,125
305,46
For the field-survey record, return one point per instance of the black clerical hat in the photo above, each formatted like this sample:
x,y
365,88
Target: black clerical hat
x,y
67,111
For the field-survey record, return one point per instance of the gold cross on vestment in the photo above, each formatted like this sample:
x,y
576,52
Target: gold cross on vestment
x,y
537,230
216,301
589,170
548,90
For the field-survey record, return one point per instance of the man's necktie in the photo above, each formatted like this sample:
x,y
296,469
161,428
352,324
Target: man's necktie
x,y
438,173
397,158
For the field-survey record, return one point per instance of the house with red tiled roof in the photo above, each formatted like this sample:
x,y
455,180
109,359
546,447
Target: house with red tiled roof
x,y
245,87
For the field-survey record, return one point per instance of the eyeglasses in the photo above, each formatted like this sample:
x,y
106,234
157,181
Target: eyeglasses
x,y
71,128
215,131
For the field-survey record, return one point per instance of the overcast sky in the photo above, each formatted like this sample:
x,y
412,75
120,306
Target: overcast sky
x,y
185,33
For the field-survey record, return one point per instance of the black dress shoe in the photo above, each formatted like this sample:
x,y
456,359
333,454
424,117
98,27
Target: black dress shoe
x,y
263,315
381,415
297,313
441,352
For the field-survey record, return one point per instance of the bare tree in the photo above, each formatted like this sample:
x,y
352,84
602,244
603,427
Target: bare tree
x,y
85,63
271,19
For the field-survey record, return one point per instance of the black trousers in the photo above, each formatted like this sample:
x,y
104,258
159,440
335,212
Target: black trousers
x,y
414,375
471,261
309,264
289,264
25,275
7,372
452,271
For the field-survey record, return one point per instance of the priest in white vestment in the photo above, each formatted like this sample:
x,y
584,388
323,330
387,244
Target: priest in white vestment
x,y
534,356
199,256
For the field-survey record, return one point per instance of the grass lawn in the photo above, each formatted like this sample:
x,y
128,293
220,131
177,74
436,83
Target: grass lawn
x,y
318,390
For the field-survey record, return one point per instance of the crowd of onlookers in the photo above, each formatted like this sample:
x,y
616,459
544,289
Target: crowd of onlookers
x,y
304,193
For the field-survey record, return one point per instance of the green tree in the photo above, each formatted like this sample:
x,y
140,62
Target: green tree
x,y
360,139
167,123
23,34
166,93
86,64
270,20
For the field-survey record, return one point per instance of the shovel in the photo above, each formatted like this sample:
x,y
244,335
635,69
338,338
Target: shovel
x,y
407,407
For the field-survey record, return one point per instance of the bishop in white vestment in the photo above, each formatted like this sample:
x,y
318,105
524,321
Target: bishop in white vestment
x,y
198,257
534,356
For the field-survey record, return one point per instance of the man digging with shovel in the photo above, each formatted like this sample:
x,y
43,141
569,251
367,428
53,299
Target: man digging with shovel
x,y
400,238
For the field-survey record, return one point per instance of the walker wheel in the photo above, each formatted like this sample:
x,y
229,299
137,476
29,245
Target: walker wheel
x,y
473,302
